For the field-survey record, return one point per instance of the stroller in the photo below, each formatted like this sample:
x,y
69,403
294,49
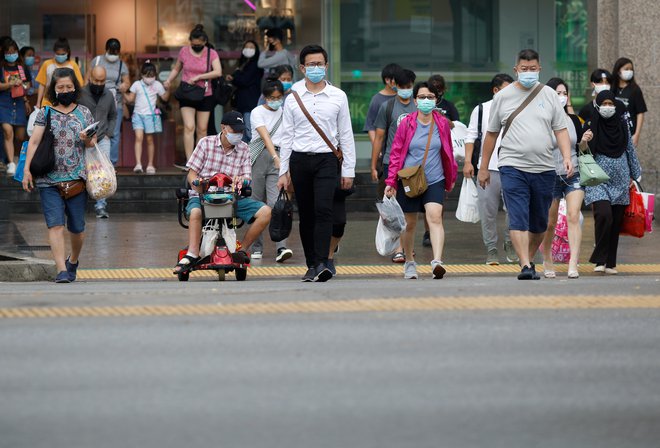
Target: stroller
x,y
219,223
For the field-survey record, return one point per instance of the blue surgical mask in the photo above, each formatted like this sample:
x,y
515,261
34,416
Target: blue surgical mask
x,y
315,74
275,104
234,138
395,88
61,58
425,106
29,61
404,93
528,79
287,85
11,58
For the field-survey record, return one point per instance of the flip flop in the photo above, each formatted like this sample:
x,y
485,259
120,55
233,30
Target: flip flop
x,y
398,257
185,264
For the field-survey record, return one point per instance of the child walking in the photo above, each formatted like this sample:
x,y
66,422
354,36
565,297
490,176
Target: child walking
x,y
146,116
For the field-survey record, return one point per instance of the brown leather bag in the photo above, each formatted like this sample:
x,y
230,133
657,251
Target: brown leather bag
x,y
71,188
413,178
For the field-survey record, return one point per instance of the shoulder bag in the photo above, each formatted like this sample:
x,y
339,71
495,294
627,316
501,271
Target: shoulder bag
x,y
516,112
591,174
476,150
43,161
193,93
413,178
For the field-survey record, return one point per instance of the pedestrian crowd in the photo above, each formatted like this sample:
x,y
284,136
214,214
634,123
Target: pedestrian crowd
x,y
522,148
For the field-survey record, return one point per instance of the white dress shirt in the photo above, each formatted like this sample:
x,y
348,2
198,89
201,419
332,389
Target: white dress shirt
x,y
329,108
473,134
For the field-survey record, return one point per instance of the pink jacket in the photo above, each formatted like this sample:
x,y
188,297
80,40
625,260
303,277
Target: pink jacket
x,y
402,139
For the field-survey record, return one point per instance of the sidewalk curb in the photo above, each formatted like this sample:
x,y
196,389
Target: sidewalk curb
x,y
17,268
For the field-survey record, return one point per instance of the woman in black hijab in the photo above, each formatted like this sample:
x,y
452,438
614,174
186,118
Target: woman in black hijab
x,y
613,150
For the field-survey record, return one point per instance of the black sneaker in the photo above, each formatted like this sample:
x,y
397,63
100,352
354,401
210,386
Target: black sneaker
x,y
309,275
426,239
528,273
323,274
331,266
536,276
283,254
71,269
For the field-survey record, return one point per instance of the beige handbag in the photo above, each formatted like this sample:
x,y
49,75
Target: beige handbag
x,y
413,178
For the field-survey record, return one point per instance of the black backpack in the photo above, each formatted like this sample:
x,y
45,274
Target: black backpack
x,y
281,219
43,161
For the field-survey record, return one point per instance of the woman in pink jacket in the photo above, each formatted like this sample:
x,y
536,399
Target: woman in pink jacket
x,y
440,168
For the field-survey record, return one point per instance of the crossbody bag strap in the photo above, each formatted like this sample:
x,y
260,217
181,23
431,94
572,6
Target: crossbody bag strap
x,y
524,104
146,94
121,65
480,121
428,142
315,125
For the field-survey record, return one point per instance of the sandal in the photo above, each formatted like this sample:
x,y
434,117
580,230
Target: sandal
x,y
398,257
185,265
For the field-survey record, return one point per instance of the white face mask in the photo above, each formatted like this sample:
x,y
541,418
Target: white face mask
x,y
563,100
627,75
249,52
607,111
148,81
112,57
601,87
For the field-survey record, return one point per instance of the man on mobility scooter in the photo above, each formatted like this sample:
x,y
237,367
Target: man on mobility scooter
x,y
224,153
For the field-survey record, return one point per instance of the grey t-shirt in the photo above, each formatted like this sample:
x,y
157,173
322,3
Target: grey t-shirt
x,y
374,106
559,160
399,112
433,167
528,144
112,74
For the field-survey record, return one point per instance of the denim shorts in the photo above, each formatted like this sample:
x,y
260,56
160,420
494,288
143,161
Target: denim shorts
x,y
434,193
245,209
150,124
59,211
528,197
564,185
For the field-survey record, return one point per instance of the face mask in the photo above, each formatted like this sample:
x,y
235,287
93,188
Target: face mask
x,y
197,48
96,89
425,106
563,100
148,81
271,47
112,57
61,58
607,111
404,93
395,88
29,61
601,87
66,98
287,85
315,74
249,52
275,104
627,75
234,139
11,58
528,79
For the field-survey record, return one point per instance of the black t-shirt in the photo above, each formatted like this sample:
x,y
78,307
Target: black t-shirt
x,y
633,99
448,109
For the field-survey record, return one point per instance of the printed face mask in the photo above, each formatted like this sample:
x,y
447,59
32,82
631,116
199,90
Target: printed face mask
x,y
112,57
249,52
315,74
528,79
607,111
426,105
275,104
61,58
627,75
404,93
233,138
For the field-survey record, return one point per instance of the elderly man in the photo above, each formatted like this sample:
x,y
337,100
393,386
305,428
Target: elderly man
x,y
101,102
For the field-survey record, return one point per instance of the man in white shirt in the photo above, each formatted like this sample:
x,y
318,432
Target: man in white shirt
x,y
491,196
310,163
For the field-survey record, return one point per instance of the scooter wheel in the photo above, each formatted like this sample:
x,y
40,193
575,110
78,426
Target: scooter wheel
x,y
241,274
221,275
183,277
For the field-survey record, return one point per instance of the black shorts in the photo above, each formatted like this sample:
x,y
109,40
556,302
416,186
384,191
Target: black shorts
x,y
206,105
434,193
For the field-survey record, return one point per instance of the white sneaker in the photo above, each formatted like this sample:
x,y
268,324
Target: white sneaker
x,y
600,268
11,169
611,271
257,255
410,270
138,168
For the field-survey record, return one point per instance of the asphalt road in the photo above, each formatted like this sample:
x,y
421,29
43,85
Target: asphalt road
x,y
475,378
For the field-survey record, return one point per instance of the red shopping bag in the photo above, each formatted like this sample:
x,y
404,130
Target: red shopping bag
x,y
634,218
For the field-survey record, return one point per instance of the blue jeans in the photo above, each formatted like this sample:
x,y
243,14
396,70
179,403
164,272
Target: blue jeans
x,y
115,139
527,197
104,147
59,211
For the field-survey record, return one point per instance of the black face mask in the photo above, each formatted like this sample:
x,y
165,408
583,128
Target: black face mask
x,y
197,48
271,47
97,90
65,99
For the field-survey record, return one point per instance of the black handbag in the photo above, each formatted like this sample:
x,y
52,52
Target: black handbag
x,y
43,161
222,90
192,93
281,219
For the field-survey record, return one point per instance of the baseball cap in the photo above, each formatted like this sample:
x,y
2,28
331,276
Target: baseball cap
x,y
234,119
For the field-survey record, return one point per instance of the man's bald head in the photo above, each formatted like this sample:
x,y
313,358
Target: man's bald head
x,y
98,75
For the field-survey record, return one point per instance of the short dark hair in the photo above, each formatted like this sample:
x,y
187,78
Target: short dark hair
x,y
599,74
25,49
113,44
60,73
198,33
438,81
148,68
390,71
404,77
499,79
423,84
272,85
312,49
528,55
275,33
280,70
616,77
63,44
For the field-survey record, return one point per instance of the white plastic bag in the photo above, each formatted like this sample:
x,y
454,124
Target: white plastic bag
x,y
209,239
386,241
101,177
392,215
468,202
458,135
229,235
31,120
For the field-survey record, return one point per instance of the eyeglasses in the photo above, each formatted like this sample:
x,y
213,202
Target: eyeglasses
x,y
426,97
315,64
